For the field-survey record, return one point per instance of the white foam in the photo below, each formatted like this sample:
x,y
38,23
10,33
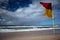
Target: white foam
x,y
22,30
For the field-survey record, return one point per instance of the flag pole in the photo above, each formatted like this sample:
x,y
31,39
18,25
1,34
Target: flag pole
x,y
53,24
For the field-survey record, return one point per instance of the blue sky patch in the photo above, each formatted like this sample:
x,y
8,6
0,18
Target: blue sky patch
x,y
13,5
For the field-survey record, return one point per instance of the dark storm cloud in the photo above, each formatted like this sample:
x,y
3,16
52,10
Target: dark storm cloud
x,y
7,19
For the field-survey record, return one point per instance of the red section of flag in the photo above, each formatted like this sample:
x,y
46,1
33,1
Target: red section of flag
x,y
46,5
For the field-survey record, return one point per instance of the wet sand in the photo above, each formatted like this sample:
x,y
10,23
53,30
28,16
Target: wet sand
x,y
31,35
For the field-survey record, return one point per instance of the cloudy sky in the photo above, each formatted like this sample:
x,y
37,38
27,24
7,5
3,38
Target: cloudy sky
x,y
27,12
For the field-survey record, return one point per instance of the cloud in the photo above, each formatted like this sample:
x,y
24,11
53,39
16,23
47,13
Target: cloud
x,y
32,15
23,16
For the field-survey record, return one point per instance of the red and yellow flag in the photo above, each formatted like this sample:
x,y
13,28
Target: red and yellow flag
x,y
47,9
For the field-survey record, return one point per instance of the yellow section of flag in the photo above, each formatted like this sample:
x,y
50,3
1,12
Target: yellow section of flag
x,y
48,12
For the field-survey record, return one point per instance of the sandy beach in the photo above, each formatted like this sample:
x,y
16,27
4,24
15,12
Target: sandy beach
x,y
31,35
